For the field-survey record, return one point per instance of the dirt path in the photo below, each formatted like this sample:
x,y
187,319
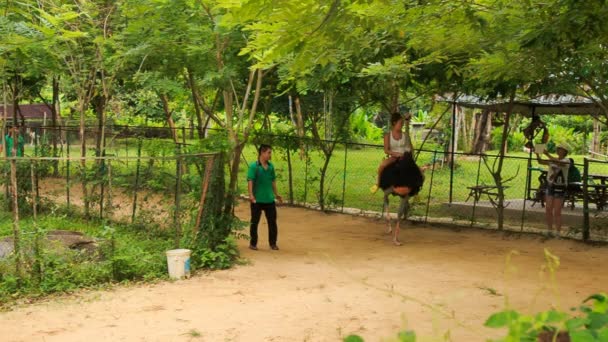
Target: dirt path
x,y
334,275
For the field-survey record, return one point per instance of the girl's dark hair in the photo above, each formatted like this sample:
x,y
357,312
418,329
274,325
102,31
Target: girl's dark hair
x,y
264,148
395,116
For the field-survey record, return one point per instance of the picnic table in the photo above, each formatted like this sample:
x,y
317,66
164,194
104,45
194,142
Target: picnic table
x,y
477,191
597,190
597,193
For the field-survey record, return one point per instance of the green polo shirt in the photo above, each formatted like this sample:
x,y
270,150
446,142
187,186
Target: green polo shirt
x,y
9,145
262,182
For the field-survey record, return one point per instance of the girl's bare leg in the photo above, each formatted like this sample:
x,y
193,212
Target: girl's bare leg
x,y
557,214
549,212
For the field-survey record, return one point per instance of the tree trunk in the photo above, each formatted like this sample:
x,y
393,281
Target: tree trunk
x,y
234,173
476,132
595,144
99,107
322,194
466,129
455,123
83,162
196,102
483,128
165,101
497,173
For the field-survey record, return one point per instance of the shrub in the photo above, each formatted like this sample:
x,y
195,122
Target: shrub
x,y
515,139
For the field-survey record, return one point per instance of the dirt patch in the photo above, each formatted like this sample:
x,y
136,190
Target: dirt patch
x,y
156,205
334,275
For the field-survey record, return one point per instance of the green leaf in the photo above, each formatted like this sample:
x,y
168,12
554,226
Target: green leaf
x,y
501,319
551,316
582,336
575,323
600,302
597,320
407,336
353,338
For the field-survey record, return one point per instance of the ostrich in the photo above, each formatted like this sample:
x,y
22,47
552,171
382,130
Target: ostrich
x,y
404,179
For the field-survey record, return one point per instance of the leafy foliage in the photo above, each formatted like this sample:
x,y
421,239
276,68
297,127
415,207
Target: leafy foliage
x,y
591,323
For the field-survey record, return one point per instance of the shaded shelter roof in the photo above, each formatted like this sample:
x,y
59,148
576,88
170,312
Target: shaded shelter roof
x,y
29,111
546,104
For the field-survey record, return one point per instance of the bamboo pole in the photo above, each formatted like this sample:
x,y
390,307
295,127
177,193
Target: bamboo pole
x,y
101,173
137,172
4,133
109,206
67,172
178,189
37,267
16,228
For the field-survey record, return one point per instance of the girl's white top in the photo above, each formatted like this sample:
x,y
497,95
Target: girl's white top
x,y
400,146
558,172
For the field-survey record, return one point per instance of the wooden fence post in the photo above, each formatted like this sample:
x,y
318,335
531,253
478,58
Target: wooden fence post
x,y
137,172
178,189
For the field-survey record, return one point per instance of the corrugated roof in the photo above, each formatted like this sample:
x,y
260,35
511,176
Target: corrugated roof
x,y
546,104
29,111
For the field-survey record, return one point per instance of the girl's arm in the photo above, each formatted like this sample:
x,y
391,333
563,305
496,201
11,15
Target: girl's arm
x,y
541,161
555,159
387,144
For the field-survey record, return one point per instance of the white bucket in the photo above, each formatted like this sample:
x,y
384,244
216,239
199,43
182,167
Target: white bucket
x,y
178,262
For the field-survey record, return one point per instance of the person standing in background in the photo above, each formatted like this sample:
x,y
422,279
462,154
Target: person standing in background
x,y
261,182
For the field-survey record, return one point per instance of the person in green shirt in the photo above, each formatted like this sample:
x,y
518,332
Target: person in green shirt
x,y
262,193
12,132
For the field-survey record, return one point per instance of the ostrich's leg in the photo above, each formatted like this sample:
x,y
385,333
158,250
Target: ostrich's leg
x,y
386,211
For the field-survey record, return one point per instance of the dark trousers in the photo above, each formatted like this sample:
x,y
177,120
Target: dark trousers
x,y
270,210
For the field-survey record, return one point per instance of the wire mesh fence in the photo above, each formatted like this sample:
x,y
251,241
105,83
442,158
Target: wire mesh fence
x,y
150,191
336,175
464,191
111,187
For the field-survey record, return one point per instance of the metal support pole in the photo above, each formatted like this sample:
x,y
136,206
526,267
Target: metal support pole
x,y
344,174
306,173
428,200
586,200
476,184
290,176
453,138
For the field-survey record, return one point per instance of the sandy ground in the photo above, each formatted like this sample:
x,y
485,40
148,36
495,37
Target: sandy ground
x,y
334,275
